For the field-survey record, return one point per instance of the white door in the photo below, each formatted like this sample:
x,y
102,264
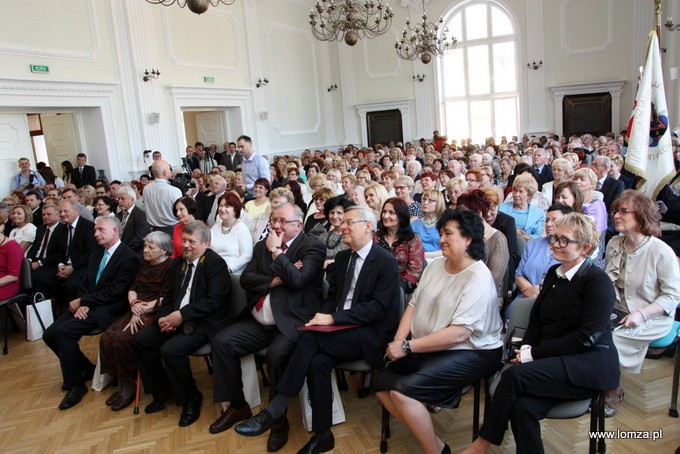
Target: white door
x,y
210,128
60,140
15,143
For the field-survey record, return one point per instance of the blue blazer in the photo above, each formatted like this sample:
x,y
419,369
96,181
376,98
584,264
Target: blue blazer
x,y
534,222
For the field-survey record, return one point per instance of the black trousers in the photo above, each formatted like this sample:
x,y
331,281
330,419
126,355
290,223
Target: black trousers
x,y
62,337
524,396
45,280
163,360
241,339
314,358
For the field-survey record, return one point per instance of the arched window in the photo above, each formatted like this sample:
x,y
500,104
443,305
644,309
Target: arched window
x,y
479,78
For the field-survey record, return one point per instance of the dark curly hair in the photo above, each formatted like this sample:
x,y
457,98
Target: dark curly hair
x,y
470,226
404,232
338,201
476,201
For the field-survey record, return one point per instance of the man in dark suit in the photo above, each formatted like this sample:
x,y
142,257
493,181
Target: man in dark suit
x,y
285,282
65,266
610,187
543,169
133,220
218,186
83,175
192,159
103,299
364,291
44,235
196,310
33,200
231,159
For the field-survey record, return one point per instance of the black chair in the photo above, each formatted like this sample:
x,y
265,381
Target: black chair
x,y
25,285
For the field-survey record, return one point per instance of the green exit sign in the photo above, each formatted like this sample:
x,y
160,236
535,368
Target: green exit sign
x,y
208,80
40,69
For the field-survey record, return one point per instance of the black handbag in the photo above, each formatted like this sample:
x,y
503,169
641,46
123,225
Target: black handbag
x,y
406,365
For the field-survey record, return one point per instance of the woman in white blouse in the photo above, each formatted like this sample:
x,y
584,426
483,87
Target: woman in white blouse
x,y
23,231
230,236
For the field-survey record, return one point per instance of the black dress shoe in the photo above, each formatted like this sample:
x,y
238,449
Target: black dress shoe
x,y
158,403
258,424
191,411
278,436
315,445
85,375
122,402
228,418
112,399
73,397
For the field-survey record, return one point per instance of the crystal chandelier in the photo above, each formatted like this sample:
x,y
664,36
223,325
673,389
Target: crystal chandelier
x,y
196,6
350,20
425,40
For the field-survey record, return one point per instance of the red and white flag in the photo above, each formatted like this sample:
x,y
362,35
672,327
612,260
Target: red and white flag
x,y
650,153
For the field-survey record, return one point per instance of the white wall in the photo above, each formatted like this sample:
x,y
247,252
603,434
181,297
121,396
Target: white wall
x,y
108,45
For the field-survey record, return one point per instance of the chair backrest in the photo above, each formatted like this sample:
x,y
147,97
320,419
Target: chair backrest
x,y
238,297
518,321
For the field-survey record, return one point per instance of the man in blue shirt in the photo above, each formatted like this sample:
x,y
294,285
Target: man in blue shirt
x,y
27,179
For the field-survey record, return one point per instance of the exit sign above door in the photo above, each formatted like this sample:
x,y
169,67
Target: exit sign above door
x,y
40,69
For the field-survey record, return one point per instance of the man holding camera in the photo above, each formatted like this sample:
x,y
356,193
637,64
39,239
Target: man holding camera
x,y
27,179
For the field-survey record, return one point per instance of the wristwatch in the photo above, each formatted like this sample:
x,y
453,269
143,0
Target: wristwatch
x,y
406,347
274,249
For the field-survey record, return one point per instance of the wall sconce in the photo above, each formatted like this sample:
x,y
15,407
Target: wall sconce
x,y
671,26
262,82
419,77
333,87
534,65
151,75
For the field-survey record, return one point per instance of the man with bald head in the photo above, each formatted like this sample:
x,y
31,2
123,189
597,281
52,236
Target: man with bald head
x,y
159,198
62,274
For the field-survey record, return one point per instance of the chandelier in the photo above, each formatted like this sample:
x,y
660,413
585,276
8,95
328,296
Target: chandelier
x,y
196,6
350,20
425,40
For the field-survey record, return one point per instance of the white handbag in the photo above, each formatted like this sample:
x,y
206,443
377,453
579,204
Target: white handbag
x,y
38,317
305,405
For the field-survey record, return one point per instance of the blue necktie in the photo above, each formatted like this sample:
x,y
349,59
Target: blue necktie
x,y
102,265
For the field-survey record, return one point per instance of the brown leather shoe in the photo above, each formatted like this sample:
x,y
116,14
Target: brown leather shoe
x,y
278,436
228,418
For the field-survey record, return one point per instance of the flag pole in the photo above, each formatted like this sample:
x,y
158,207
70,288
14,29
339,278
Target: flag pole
x,y
657,22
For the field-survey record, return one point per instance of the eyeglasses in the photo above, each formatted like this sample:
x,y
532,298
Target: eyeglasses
x,y
427,200
401,188
561,241
621,211
349,222
282,221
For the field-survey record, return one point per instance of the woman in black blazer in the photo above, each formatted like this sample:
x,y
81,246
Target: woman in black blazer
x,y
567,350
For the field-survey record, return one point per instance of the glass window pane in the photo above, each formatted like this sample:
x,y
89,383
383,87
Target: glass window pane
x,y
478,69
454,76
504,67
455,26
500,23
506,117
457,120
480,120
475,22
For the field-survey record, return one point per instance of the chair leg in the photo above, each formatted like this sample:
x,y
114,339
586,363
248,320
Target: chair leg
x,y
5,350
137,392
208,362
384,429
594,423
475,410
673,410
602,442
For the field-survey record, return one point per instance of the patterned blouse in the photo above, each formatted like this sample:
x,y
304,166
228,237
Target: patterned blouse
x,y
410,257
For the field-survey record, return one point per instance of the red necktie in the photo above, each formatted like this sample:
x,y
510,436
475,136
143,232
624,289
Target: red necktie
x,y
260,302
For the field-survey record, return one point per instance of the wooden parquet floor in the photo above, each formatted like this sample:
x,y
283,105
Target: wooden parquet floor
x,y
31,423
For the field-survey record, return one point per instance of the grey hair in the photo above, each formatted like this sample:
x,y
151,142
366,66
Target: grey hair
x,y
198,227
111,220
365,214
127,191
162,240
4,207
297,211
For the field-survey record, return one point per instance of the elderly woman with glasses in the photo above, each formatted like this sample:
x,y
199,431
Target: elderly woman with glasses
x,y
567,351
644,271
403,188
329,232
